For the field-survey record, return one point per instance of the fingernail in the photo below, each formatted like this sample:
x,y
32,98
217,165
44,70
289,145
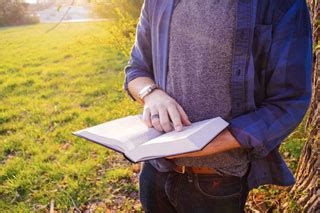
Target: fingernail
x,y
178,128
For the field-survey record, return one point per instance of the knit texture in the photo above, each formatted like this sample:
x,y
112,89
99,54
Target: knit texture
x,y
199,71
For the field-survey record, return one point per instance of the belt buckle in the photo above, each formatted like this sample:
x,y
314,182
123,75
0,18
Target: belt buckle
x,y
183,170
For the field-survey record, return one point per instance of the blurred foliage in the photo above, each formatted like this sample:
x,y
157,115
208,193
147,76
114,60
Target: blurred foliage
x,y
109,8
13,12
125,14
122,33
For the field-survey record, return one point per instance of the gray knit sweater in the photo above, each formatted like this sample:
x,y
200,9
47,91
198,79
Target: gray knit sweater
x,y
199,71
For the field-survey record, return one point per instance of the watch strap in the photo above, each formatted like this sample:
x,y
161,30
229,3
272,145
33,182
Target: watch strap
x,y
146,91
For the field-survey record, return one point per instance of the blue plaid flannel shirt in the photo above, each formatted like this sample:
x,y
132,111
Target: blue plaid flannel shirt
x,y
271,76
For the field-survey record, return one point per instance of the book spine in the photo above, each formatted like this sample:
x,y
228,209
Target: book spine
x,y
131,161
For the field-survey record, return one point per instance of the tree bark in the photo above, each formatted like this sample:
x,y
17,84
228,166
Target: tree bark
x,y
306,191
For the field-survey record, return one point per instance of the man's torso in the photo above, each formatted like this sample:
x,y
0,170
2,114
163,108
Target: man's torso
x,y
255,23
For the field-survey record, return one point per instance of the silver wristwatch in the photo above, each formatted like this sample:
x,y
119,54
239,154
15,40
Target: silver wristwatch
x,y
146,91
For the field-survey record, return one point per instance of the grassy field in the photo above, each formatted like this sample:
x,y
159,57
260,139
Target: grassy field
x,y
52,84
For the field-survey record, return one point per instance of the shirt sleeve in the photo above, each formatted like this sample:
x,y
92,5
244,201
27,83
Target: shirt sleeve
x,y
289,87
140,62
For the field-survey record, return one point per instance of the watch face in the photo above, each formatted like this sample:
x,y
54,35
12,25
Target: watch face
x,y
147,90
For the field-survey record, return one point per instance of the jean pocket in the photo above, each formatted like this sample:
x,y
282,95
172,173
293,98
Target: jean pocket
x,y
171,187
218,187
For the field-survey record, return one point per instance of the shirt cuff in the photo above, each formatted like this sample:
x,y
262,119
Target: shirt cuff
x,y
248,141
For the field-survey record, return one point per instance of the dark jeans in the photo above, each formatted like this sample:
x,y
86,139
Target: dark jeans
x,y
168,192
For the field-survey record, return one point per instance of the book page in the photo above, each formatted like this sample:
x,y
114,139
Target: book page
x,y
127,132
175,136
191,138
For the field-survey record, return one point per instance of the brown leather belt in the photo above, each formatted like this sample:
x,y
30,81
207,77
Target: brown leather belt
x,y
199,170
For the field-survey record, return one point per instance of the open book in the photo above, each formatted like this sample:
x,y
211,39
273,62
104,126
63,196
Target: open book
x,y
131,137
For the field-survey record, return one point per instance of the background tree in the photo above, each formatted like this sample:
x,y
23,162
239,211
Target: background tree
x,y
13,12
306,191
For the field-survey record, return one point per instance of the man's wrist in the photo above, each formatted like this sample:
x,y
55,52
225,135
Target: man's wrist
x,y
145,91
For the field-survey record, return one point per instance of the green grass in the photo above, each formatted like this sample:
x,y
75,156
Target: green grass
x,y
50,85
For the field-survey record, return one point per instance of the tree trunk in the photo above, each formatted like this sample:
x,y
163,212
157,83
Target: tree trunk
x,y
306,191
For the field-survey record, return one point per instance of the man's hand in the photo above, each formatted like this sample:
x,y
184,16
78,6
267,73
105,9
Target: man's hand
x,y
225,141
160,103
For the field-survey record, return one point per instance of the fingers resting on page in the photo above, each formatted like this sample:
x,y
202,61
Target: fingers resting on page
x,y
163,113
